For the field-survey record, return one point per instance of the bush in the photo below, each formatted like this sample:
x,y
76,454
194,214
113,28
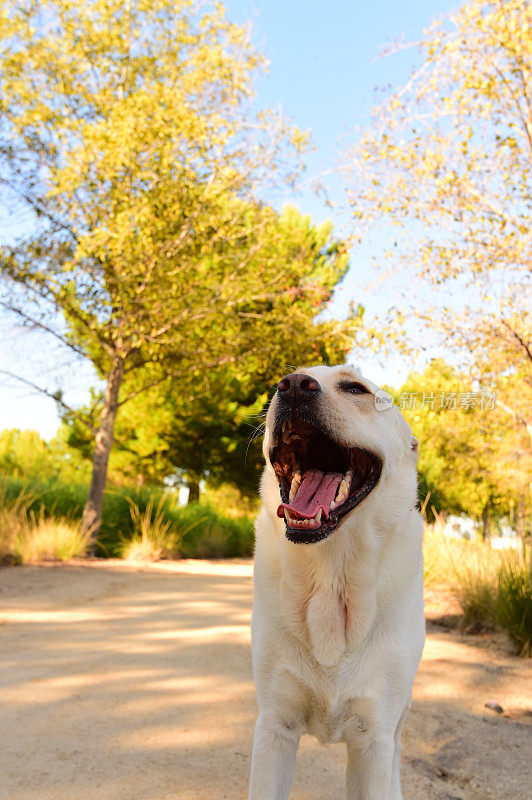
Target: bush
x,y
13,523
198,531
208,534
152,537
50,540
492,587
25,537
477,596
513,604
475,584
234,503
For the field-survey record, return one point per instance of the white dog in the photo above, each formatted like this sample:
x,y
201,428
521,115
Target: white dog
x,y
338,628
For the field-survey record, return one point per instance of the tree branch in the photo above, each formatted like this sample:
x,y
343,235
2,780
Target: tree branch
x,y
521,342
50,296
218,363
51,395
43,327
40,209
519,419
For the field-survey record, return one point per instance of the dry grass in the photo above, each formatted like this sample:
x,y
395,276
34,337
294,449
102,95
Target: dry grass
x,y
153,537
26,538
13,523
449,560
492,587
50,540
513,604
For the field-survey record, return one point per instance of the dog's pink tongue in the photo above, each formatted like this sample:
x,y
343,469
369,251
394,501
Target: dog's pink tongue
x,y
317,490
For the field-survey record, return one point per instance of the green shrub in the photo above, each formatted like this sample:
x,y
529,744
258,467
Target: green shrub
x,y
493,587
450,561
234,503
477,597
198,531
513,605
211,535
67,501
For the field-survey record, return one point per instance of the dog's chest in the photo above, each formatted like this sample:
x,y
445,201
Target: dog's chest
x,y
327,621
320,618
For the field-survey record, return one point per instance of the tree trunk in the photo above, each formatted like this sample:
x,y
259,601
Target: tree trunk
x,y
193,490
92,513
520,527
485,532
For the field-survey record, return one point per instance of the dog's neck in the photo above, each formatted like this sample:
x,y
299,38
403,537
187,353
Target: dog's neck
x,y
333,591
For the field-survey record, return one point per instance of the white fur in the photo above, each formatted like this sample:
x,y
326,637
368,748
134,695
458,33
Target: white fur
x,y
337,628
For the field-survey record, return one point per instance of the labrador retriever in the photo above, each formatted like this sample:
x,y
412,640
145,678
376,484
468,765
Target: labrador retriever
x,y
337,628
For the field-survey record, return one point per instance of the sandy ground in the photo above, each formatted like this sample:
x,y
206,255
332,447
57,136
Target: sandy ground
x,y
134,683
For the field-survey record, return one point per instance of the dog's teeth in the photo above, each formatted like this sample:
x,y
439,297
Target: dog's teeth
x,y
315,522
343,489
333,504
288,517
296,482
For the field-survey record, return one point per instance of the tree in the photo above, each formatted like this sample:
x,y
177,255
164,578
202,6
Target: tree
x,y
469,460
125,128
24,454
185,436
446,168
204,431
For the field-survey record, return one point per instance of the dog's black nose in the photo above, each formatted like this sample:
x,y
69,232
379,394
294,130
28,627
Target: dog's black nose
x,y
298,386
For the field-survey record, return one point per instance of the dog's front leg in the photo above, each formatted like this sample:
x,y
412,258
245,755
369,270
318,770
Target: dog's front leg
x,y
369,768
274,756
395,783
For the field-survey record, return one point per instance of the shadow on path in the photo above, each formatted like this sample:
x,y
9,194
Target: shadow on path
x,y
125,684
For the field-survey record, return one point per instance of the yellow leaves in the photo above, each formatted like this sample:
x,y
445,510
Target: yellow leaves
x,y
450,166
301,138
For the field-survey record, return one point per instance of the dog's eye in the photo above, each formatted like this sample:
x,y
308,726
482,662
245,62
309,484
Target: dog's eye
x,y
353,387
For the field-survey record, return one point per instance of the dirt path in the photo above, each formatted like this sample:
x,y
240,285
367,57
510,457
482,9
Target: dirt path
x,y
118,683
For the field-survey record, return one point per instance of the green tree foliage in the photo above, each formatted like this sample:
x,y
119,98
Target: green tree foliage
x,y
125,127
469,460
23,454
201,426
195,436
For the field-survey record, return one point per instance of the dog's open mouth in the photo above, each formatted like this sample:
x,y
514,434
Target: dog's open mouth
x,y
320,480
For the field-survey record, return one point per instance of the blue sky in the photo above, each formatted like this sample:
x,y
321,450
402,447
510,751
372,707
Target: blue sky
x,y
325,68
